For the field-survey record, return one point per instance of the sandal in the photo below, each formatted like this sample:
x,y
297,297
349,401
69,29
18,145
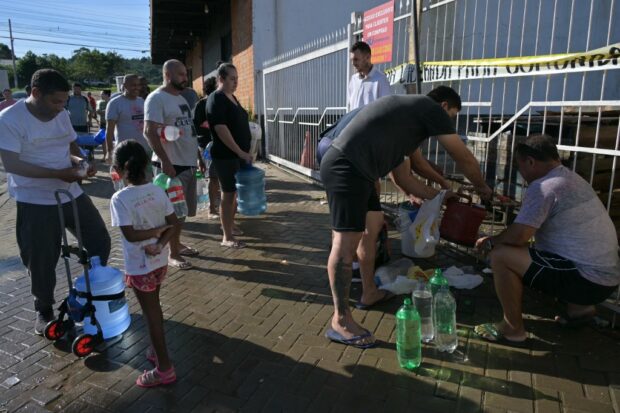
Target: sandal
x,y
156,377
490,333
233,244
355,341
188,252
182,265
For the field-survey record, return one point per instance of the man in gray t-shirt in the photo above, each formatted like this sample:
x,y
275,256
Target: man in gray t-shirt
x,y
166,107
575,255
125,116
79,108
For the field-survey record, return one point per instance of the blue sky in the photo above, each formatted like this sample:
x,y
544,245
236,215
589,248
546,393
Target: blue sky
x,y
117,25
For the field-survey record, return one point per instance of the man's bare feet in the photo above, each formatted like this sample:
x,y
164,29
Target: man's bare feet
x,y
349,329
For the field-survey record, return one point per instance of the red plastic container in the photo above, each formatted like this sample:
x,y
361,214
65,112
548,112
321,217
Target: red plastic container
x,y
461,221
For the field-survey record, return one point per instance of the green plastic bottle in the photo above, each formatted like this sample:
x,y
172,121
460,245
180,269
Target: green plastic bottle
x,y
408,336
437,281
161,180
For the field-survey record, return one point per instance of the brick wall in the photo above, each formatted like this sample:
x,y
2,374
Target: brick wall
x,y
243,51
193,62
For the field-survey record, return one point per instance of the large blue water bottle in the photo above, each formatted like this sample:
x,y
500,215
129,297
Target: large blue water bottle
x,y
112,315
251,198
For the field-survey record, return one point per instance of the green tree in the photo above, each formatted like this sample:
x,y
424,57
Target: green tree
x,y
5,51
26,66
86,64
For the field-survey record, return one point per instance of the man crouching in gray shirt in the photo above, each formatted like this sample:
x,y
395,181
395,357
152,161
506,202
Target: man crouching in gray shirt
x,y
575,255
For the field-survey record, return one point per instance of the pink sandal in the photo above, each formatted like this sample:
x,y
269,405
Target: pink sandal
x,y
156,377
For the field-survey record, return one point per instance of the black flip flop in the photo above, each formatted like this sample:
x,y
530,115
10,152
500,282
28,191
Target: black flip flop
x,y
386,297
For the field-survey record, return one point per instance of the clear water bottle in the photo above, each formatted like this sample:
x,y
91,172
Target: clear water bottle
x,y
444,317
408,342
202,192
423,302
206,155
83,169
174,189
169,133
251,197
437,281
117,180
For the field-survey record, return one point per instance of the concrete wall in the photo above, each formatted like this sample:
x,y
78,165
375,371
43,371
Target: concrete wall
x,y
4,80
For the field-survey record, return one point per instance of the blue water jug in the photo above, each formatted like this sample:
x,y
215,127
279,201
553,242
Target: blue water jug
x,y
113,315
251,198
100,136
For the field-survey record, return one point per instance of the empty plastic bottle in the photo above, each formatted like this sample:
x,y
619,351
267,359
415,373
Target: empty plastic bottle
x,y
174,189
117,181
423,302
444,317
169,133
202,192
408,341
251,198
437,281
161,180
206,155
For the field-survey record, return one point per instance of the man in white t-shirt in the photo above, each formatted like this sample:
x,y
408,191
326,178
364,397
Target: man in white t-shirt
x,y
369,83
165,106
39,153
125,117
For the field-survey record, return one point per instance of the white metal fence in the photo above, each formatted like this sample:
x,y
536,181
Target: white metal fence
x,y
305,89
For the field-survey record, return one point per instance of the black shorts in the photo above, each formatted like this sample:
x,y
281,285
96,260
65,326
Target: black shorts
x,y
349,194
225,170
558,277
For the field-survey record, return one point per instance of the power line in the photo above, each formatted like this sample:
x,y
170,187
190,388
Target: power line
x,y
78,38
74,44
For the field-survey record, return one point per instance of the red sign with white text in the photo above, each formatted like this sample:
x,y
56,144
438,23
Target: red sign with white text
x,y
379,31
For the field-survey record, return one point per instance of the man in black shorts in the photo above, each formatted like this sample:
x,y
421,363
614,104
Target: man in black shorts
x,y
575,257
374,144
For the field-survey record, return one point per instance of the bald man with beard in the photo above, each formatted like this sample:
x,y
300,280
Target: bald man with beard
x,y
165,106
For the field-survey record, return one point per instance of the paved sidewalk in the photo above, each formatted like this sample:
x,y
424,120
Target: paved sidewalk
x,y
245,330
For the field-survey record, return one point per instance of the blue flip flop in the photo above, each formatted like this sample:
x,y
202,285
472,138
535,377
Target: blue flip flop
x,y
336,337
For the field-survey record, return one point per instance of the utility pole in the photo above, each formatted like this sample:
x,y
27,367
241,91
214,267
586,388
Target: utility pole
x,y
13,55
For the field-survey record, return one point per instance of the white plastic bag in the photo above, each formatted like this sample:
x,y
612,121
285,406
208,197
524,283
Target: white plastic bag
x,y
401,285
425,228
386,274
457,278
